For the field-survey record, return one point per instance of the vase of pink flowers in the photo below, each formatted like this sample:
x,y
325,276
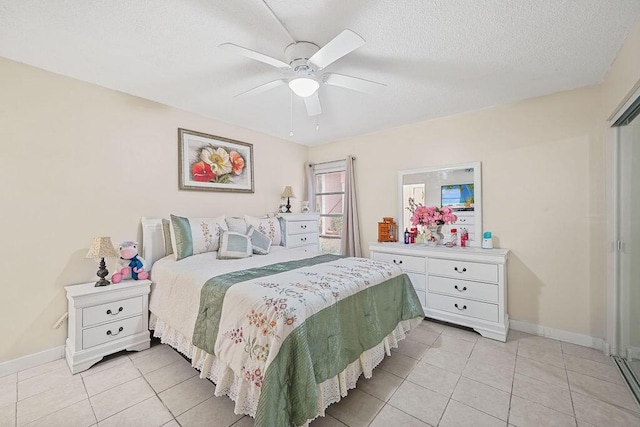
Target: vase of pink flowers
x,y
431,218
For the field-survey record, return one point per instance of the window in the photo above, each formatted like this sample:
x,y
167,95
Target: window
x,y
329,194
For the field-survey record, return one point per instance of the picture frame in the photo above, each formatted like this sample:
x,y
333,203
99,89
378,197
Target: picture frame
x,y
213,163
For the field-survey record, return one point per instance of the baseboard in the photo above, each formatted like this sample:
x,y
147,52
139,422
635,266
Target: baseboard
x,y
558,334
31,360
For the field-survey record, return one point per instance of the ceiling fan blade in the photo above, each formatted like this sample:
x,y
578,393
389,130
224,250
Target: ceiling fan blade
x,y
353,83
262,88
313,105
230,47
345,42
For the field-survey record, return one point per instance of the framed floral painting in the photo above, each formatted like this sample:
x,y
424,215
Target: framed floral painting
x,y
213,163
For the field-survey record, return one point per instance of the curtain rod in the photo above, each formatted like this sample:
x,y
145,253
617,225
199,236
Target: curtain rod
x,y
324,163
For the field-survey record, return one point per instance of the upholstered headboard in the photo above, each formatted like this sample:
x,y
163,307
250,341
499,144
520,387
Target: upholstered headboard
x,y
152,240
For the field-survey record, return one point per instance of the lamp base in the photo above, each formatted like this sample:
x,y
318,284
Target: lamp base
x,y
288,206
102,282
102,273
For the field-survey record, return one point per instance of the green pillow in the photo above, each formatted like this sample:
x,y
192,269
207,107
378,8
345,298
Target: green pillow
x,y
234,245
192,236
260,242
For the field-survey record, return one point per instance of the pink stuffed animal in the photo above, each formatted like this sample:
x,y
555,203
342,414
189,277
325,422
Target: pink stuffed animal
x,y
130,264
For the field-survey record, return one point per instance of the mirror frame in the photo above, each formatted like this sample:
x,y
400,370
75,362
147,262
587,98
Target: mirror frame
x,y
477,195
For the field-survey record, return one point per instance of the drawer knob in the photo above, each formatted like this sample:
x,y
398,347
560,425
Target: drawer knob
x,y
464,307
464,288
304,239
115,314
304,227
460,271
120,329
397,262
462,220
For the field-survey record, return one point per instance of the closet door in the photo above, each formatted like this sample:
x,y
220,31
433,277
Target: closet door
x,y
629,187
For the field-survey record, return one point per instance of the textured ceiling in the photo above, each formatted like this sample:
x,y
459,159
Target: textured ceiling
x,y
437,57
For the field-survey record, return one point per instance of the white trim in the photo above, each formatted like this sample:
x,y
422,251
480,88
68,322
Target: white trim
x,y
31,360
612,201
558,334
625,106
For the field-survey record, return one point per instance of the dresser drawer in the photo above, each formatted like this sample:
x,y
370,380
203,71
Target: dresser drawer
x,y
111,311
406,262
419,281
464,307
111,331
464,288
422,296
300,227
299,240
464,269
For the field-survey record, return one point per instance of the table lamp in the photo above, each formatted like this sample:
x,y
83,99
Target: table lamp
x,y
288,192
102,248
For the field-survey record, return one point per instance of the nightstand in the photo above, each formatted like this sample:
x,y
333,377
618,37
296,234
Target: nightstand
x,y
107,319
300,230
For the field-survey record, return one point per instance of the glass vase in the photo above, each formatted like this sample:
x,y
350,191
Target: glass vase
x,y
435,235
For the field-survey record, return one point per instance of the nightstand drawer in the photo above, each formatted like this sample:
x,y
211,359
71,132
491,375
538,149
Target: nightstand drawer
x,y
406,262
300,227
464,307
111,311
299,240
111,331
464,270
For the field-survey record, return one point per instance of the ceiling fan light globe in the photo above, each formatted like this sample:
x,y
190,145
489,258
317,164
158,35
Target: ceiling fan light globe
x,y
304,86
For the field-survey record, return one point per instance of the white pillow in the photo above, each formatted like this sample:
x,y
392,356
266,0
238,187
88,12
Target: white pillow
x,y
237,224
267,226
191,236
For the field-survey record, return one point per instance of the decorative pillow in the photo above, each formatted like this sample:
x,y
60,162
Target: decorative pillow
x,y
260,242
192,236
237,224
234,245
166,236
267,226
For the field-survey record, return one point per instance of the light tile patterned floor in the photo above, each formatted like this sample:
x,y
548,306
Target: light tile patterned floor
x,y
439,376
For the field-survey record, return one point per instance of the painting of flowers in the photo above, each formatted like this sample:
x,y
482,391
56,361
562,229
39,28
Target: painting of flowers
x,y
213,163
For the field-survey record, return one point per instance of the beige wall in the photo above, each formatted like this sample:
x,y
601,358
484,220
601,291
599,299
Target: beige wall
x,y
623,78
77,161
543,190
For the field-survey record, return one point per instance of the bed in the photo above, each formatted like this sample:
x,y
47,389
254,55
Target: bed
x,y
284,335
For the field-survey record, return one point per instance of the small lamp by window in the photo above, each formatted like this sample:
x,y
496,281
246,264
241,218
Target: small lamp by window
x,y
102,248
288,193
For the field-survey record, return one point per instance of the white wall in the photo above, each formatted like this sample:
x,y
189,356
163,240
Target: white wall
x,y
543,190
77,161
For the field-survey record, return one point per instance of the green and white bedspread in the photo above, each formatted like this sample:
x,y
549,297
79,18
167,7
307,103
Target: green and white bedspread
x,y
287,327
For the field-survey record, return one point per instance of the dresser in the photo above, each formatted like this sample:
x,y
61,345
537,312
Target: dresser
x,y
300,230
465,286
106,319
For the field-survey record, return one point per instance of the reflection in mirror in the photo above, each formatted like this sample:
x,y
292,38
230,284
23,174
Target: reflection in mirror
x,y
458,187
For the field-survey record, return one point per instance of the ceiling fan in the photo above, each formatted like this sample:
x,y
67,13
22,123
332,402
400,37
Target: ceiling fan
x,y
303,68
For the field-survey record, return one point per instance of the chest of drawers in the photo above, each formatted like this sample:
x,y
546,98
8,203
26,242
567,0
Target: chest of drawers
x,y
465,286
300,230
103,320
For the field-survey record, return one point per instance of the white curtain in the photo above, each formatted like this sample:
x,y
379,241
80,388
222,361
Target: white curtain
x,y
310,186
350,232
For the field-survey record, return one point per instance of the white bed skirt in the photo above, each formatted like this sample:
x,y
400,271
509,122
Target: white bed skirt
x,y
246,395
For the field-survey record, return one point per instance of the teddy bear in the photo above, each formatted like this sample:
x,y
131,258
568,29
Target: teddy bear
x,y
130,264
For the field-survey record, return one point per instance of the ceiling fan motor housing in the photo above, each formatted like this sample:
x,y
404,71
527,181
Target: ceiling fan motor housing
x,y
297,54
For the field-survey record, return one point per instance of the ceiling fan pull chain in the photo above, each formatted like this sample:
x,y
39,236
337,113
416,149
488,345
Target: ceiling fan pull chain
x,y
291,112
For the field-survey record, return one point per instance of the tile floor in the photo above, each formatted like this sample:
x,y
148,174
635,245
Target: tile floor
x,y
439,376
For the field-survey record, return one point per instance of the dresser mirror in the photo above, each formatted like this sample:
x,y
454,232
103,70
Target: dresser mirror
x,y
456,186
